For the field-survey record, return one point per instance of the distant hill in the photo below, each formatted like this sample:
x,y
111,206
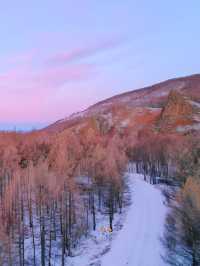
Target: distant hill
x,y
172,105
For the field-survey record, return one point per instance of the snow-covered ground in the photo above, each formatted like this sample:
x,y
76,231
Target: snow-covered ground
x,y
138,242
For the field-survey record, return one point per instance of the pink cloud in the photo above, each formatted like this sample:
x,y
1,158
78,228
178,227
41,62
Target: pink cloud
x,y
38,89
27,92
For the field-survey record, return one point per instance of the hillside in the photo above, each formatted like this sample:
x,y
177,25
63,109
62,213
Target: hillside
x,y
146,107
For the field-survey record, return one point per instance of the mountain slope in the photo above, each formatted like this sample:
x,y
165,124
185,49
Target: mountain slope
x,y
141,108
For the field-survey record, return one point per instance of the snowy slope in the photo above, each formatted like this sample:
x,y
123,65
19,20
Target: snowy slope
x,y
138,243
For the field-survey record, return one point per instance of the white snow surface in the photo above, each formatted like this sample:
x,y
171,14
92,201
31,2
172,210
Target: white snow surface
x,y
188,127
196,104
138,242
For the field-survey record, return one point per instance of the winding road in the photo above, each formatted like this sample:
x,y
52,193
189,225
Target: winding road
x,y
138,243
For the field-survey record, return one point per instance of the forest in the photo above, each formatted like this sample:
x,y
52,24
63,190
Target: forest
x,y
52,192
54,188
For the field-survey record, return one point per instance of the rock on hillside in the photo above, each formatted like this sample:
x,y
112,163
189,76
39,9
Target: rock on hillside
x,y
179,114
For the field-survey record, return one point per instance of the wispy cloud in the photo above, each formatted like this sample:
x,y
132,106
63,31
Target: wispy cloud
x,y
34,85
83,52
31,80
27,91
51,72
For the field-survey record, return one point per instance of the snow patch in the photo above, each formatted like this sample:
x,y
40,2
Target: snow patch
x,y
125,123
188,128
154,109
73,116
195,104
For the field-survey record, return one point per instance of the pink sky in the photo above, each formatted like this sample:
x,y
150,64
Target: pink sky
x,y
59,57
42,89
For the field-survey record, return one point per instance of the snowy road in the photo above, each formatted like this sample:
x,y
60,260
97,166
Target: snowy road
x,y
138,243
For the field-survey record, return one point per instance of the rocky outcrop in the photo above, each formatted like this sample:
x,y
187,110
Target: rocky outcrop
x,y
178,112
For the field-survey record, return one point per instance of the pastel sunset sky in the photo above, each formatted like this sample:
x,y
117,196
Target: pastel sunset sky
x,y
59,57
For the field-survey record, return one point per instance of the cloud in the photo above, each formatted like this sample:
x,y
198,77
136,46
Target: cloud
x,y
37,89
32,73
83,52
29,80
27,92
